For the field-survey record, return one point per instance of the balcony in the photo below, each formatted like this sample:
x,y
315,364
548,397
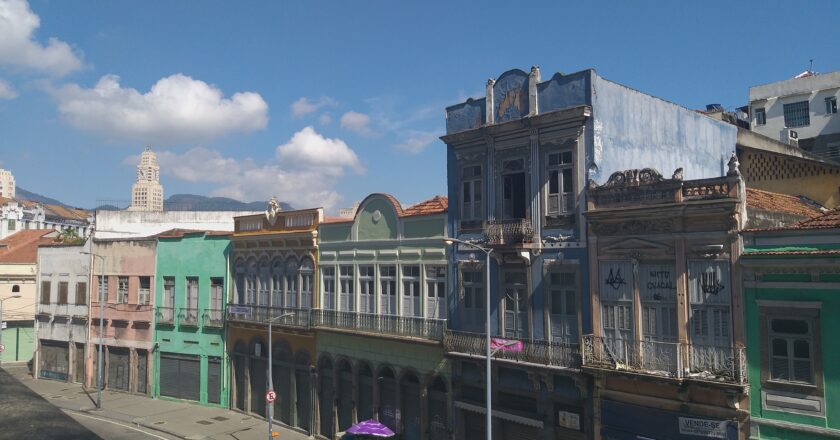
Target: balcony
x,y
213,318
666,359
188,317
391,325
509,232
554,354
249,313
165,315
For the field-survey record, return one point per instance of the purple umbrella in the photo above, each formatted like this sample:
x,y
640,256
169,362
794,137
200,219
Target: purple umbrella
x,y
370,427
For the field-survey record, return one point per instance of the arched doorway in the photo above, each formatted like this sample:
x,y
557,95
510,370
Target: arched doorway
x,y
282,367
303,391
364,407
410,414
344,395
325,397
388,398
259,378
240,366
438,423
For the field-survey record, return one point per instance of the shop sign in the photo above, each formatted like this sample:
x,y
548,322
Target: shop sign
x,y
703,427
568,420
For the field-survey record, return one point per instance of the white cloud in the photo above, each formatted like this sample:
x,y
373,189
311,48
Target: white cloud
x,y
304,172
7,91
304,106
176,109
358,123
18,47
325,119
417,141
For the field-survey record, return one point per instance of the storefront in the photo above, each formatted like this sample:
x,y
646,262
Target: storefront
x,y
620,421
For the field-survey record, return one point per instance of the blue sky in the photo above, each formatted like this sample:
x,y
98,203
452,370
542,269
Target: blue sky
x,y
323,102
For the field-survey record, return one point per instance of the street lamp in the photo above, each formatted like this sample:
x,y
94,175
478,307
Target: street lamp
x,y
271,373
99,362
487,251
1,323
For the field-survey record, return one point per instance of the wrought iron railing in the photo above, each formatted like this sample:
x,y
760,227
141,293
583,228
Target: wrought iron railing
x,y
670,359
188,316
509,232
298,318
410,326
165,315
556,354
213,318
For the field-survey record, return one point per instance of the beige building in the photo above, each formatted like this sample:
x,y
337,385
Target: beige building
x,y
147,192
7,184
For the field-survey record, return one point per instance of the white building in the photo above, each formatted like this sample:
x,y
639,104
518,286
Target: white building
x,y
7,184
136,224
806,105
147,192
18,214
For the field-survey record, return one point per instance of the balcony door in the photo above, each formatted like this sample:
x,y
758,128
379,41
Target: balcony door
x,y
515,189
515,303
616,294
472,310
563,297
658,295
710,322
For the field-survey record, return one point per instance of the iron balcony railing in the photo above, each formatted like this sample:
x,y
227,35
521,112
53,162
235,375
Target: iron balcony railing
x,y
213,318
408,326
668,359
552,353
508,232
189,316
165,315
298,318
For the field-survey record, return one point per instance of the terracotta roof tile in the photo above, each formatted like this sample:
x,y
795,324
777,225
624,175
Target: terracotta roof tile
x,y
830,219
776,202
22,246
435,205
180,233
333,219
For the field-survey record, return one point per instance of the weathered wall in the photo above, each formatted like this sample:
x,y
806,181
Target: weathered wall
x,y
68,264
134,224
419,357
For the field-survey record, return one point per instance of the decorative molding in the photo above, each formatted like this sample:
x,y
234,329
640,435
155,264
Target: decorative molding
x,y
633,227
633,177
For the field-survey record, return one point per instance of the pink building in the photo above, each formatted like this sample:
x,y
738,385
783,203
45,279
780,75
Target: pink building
x,y
128,268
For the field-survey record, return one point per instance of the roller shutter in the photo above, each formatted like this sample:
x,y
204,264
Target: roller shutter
x,y
79,364
214,380
142,371
180,376
55,360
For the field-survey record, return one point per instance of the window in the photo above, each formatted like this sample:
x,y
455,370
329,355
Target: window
x,y
291,284
306,271
760,116
12,225
563,297
560,183
345,295
436,292
830,105
169,292
277,284
616,292
411,291
472,292
471,194
516,304
388,290
366,291
192,293
216,293
328,277
62,292
264,280
122,290
16,289
145,289
81,293
514,192
103,287
796,114
710,304
791,357
251,283
45,292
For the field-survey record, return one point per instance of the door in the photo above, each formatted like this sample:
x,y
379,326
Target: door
x,y
79,364
259,386
473,290
345,293
436,292
291,284
142,371
616,292
326,402
214,380
303,402
388,290
563,297
345,398
283,386
411,291
516,304
54,360
239,372
180,376
411,410
118,368
658,295
710,320
514,189
366,291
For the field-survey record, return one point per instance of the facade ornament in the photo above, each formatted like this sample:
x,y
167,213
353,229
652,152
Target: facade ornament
x,y
273,210
733,165
678,174
633,177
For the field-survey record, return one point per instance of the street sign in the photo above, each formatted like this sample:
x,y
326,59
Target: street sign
x,y
2,348
270,396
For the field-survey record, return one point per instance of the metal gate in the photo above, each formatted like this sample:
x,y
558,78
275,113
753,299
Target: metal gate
x,y
239,370
79,364
118,368
180,376
214,380
55,360
411,411
142,371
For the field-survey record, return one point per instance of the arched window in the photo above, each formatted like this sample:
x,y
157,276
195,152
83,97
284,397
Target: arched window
x,y
438,422
344,394
277,283
291,283
239,280
410,414
365,405
15,289
307,273
265,280
251,282
388,398
325,377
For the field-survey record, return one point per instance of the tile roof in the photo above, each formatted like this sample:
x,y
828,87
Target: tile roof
x,y
435,205
180,233
776,202
830,219
812,252
22,246
334,219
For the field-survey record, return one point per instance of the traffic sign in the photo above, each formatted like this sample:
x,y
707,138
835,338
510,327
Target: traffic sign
x,y
2,348
270,396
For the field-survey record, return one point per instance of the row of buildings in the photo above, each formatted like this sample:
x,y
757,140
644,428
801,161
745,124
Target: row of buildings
x,y
662,274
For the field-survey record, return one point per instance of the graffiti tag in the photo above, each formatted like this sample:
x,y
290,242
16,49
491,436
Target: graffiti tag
x,y
615,280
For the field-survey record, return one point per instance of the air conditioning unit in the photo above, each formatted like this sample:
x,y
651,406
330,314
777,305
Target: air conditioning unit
x,y
790,137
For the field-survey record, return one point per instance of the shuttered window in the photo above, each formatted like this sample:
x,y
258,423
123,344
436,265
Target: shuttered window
x,y
45,292
62,292
81,293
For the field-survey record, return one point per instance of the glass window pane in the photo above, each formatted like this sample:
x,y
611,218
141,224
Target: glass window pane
x,y
790,326
801,349
779,347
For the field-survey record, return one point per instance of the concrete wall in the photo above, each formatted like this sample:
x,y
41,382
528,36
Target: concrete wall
x,y
134,224
63,264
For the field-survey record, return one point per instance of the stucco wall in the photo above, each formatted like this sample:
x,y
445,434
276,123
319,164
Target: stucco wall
x,y
57,264
134,224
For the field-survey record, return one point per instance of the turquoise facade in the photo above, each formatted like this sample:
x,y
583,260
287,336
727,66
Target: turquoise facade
x,y
189,332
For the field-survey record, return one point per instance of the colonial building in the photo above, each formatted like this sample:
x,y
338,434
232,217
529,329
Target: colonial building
x,y
790,295
62,311
383,308
19,214
273,259
667,345
18,276
189,359
147,192
126,268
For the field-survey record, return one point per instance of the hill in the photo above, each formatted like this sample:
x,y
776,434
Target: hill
x,y
35,197
191,202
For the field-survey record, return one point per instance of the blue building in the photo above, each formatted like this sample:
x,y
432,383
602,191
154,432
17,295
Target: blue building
x,y
519,162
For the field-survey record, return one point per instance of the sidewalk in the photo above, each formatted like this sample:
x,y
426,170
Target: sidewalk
x,y
179,419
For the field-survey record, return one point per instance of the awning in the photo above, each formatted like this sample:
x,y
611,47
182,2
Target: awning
x,y
499,414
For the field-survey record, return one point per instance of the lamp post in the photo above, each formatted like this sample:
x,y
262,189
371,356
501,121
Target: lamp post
x,y
99,370
487,251
271,373
1,323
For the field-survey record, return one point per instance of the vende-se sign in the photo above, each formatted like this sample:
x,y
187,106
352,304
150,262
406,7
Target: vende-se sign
x,y
703,427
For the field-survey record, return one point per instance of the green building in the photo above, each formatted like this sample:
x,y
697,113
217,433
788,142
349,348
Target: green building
x,y
791,289
189,355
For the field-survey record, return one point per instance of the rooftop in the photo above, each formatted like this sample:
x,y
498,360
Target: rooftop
x,y
776,202
22,246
